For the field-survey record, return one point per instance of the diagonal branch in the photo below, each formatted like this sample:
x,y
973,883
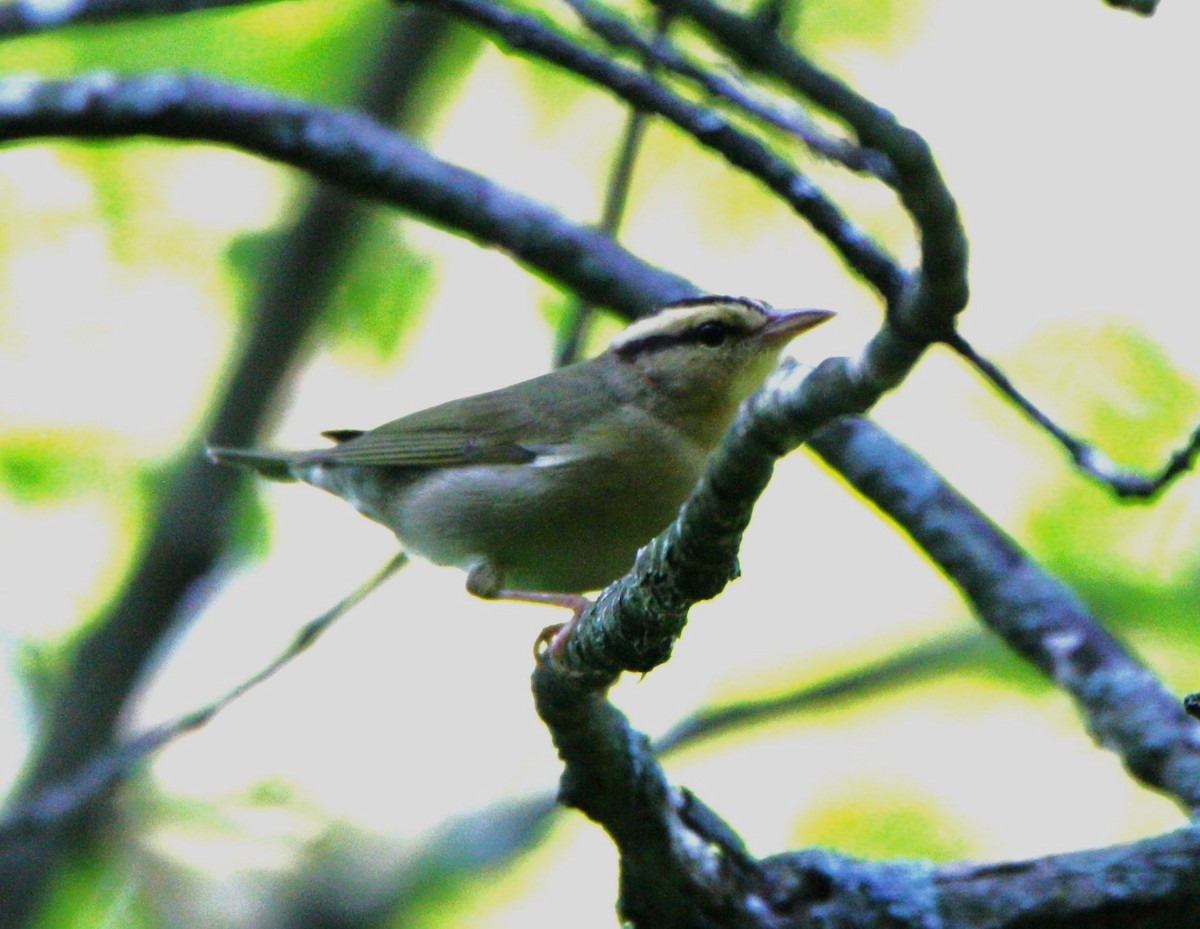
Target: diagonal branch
x,y
570,339
939,291
1125,706
60,802
620,33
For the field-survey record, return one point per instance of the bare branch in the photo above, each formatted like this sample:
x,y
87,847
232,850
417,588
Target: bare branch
x,y
343,148
681,866
1127,485
712,130
22,17
59,802
1125,706
922,311
620,33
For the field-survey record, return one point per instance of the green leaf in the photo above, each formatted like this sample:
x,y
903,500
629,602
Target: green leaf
x,y
45,466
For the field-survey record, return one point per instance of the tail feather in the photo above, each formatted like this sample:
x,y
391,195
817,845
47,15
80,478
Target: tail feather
x,y
274,465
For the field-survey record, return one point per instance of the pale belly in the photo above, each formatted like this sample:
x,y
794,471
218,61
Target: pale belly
x,y
539,529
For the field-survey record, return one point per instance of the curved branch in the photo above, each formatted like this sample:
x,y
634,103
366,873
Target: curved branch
x,y
681,866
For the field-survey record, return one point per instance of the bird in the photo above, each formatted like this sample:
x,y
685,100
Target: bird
x,y
545,489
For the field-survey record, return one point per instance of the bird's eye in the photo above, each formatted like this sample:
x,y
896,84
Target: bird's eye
x,y
711,333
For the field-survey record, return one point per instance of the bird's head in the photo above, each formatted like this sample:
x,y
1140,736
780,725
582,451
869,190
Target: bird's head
x,y
703,356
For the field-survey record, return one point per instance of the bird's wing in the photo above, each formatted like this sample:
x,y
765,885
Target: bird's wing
x,y
499,427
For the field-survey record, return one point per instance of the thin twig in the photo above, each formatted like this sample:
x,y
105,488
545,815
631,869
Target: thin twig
x,y
61,801
1126,484
616,199
860,683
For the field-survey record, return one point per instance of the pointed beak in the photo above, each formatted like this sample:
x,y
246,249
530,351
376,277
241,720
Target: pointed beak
x,y
787,324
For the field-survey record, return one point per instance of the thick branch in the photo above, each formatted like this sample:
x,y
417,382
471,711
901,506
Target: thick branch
x,y
1125,706
682,867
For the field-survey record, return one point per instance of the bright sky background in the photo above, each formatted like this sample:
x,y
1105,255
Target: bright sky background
x,y
1060,129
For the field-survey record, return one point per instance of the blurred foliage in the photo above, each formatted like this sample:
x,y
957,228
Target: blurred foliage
x,y
877,24
273,46
48,465
379,296
1113,386
97,888
883,819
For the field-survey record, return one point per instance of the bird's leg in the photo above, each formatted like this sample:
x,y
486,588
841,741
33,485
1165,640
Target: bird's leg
x,y
483,580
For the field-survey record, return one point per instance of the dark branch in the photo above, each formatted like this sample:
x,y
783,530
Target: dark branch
x,y
712,130
621,34
940,290
681,866
189,528
1127,485
1124,705
344,148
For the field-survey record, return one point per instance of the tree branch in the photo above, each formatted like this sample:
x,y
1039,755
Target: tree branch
x,y
343,148
682,867
744,152
1126,708
621,34
925,309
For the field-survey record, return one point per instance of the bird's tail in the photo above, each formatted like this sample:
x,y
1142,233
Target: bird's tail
x,y
274,465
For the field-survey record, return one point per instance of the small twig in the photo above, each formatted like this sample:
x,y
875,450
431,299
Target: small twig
x,y
61,801
1126,484
616,199
620,33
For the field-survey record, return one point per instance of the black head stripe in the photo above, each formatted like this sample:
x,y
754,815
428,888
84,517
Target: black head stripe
x,y
657,341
